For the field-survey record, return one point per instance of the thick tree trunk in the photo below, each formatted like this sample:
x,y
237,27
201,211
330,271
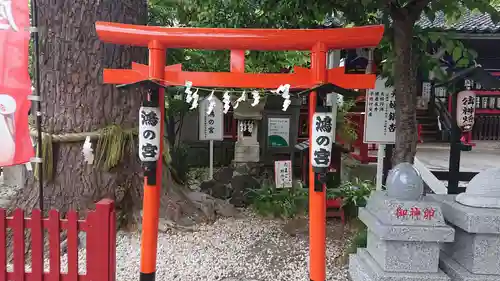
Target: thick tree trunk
x,y
405,86
75,100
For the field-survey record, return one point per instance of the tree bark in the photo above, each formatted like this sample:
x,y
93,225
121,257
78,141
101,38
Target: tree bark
x,y
76,100
405,87
405,78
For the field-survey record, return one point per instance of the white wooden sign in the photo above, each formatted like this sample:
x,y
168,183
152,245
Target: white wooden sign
x,y
323,138
283,174
211,125
380,114
466,101
149,133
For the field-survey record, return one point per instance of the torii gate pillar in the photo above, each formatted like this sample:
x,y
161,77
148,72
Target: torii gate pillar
x,y
152,194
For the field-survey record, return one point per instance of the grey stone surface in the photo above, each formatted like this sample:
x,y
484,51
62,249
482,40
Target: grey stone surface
x,y
404,256
385,209
363,267
224,175
404,182
478,253
406,233
458,273
241,186
381,216
403,240
477,245
483,190
470,219
216,189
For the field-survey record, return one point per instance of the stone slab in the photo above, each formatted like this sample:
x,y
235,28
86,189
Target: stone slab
x,y
404,256
458,273
404,212
246,152
478,253
404,232
362,267
470,219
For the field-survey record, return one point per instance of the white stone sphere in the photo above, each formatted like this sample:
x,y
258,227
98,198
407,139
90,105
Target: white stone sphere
x,y
404,182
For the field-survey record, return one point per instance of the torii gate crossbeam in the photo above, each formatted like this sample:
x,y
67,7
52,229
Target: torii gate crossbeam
x,y
318,41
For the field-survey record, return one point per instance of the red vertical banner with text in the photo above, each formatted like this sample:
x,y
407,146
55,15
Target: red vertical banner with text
x,y
15,85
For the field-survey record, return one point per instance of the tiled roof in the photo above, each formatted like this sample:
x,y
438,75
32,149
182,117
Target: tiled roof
x,y
469,22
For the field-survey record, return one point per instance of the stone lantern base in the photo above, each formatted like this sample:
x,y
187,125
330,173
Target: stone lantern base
x,y
475,254
404,238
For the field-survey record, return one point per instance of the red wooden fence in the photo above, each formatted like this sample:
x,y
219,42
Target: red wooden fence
x,y
100,227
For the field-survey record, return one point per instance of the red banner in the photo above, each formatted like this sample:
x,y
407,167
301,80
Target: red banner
x,y
15,84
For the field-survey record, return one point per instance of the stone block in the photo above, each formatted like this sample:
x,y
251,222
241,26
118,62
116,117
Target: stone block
x,y
363,267
246,153
478,253
458,273
470,219
442,233
404,256
417,213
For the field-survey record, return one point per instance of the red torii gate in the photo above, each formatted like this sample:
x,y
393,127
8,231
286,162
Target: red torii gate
x,y
318,41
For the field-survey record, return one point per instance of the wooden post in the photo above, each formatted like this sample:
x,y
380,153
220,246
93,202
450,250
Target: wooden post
x,y
455,149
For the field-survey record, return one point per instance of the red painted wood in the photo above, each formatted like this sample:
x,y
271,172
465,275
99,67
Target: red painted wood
x,y
336,204
47,277
55,245
237,61
91,238
18,236
487,111
102,246
486,93
240,38
3,246
72,237
112,246
36,245
102,234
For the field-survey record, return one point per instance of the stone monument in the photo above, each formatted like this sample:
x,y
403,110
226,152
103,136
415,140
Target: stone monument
x,y
404,233
475,214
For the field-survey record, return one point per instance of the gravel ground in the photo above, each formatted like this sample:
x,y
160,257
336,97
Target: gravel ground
x,y
244,250
247,249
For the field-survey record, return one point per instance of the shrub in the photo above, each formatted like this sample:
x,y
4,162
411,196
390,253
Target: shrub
x,y
283,202
179,162
354,195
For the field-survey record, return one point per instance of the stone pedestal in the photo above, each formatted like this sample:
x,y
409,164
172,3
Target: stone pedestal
x,y
475,254
404,238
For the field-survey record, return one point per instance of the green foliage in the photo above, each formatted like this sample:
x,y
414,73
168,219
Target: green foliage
x,y
358,240
353,193
229,14
269,201
179,163
346,129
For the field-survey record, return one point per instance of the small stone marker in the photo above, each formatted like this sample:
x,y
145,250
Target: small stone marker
x,y
404,233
